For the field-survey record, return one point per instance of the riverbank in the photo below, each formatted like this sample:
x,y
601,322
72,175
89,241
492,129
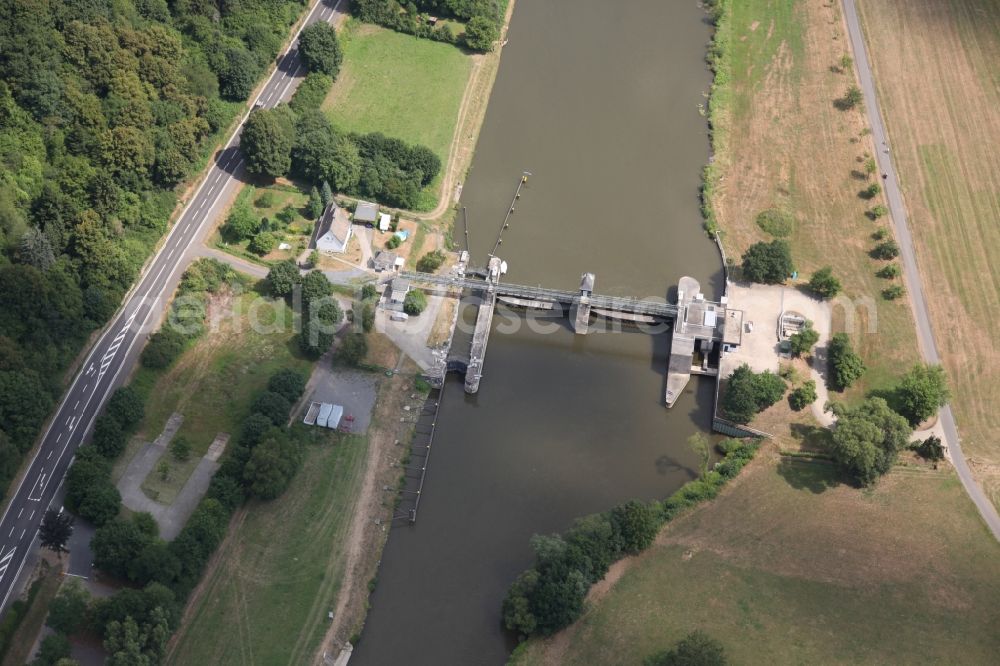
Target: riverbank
x,y
842,577
889,567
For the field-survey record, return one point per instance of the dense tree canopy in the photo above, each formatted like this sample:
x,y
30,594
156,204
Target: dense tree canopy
x,y
267,139
748,392
283,278
921,392
368,165
67,610
320,49
105,107
846,367
768,263
867,439
483,19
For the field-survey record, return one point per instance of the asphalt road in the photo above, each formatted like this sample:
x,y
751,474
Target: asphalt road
x,y
118,348
897,210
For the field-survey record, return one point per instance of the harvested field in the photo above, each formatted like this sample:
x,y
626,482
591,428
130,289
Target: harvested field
x,y
937,67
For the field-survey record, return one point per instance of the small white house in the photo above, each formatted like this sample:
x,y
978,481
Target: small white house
x,y
384,221
366,212
333,230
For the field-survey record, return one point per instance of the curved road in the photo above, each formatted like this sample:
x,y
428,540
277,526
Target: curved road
x,y
117,350
897,210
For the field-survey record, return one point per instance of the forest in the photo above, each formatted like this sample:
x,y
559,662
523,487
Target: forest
x,y
107,107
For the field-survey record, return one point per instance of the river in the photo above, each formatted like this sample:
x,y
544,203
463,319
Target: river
x,y
599,101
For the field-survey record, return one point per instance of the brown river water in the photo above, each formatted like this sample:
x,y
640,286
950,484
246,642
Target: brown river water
x,y
600,102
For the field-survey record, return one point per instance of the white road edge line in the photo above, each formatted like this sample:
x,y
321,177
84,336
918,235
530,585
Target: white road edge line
x,y
125,306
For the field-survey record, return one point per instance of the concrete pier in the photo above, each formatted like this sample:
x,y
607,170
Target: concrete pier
x,y
581,314
481,335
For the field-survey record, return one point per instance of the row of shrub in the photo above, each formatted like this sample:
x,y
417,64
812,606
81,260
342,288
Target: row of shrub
x,y
90,492
483,19
136,623
550,595
261,463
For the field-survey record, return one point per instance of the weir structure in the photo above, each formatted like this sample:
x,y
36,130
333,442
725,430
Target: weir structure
x,y
702,330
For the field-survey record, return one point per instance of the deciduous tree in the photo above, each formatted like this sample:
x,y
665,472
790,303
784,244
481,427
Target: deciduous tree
x,y
320,49
67,610
283,277
824,284
867,439
846,367
267,140
768,263
922,391
55,531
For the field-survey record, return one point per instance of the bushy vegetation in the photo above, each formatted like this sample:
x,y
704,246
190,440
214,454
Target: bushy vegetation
x,y
889,271
483,18
928,449
921,392
886,250
105,107
695,649
549,596
749,392
415,302
768,263
777,222
804,340
893,292
803,396
187,313
430,262
321,315
846,367
824,284
310,95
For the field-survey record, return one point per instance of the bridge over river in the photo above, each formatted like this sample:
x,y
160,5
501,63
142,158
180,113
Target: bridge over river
x,y
701,329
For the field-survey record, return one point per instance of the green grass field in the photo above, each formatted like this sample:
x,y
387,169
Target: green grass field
x,y
278,576
790,567
213,384
399,85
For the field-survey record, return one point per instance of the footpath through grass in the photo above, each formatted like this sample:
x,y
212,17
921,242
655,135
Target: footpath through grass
x,y
789,566
397,84
280,569
937,68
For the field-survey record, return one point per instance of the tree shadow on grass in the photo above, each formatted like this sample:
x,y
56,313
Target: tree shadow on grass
x,y
815,476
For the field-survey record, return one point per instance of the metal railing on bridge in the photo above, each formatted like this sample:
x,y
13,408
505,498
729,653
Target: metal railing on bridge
x,y
616,303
